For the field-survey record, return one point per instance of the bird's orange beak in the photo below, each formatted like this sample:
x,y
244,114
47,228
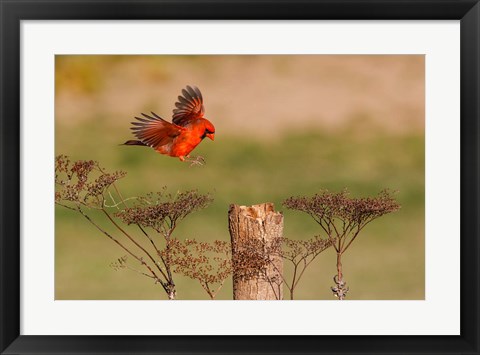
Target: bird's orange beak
x,y
211,136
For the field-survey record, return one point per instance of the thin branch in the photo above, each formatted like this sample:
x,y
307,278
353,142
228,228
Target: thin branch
x,y
122,246
135,242
351,240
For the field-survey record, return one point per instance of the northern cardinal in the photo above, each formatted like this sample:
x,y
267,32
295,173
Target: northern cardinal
x,y
179,138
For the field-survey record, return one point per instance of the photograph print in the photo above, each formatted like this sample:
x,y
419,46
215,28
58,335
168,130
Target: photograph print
x,y
239,177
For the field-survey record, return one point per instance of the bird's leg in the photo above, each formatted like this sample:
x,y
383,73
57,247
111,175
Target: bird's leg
x,y
198,160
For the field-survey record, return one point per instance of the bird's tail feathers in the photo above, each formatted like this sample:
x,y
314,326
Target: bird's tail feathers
x,y
133,142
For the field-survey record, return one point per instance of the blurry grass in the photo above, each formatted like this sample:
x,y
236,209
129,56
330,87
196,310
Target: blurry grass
x,y
81,73
386,262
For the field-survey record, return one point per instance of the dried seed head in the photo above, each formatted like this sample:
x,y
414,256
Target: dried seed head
x,y
161,210
208,263
296,250
326,206
83,181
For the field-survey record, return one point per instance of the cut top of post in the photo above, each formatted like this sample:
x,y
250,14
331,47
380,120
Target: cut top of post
x,y
259,211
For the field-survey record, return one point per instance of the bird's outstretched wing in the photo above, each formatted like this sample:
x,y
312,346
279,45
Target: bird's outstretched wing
x,y
189,106
154,131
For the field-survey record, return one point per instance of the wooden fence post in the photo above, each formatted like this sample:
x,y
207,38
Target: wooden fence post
x,y
254,231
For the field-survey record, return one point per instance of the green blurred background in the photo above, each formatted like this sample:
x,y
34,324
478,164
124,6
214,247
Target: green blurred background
x,y
285,126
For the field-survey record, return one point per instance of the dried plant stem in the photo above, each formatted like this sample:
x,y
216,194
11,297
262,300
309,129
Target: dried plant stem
x,y
212,293
275,283
133,241
122,200
169,283
340,289
87,217
339,266
276,291
300,253
290,286
140,272
295,279
157,251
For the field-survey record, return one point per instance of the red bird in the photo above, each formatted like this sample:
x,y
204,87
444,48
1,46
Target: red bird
x,y
179,138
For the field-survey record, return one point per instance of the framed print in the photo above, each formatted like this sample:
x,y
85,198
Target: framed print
x,y
237,177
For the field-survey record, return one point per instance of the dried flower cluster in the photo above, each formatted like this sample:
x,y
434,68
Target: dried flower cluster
x,y
252,257
299,251
342,218
82,182
83,185
327,206
208,263
162,211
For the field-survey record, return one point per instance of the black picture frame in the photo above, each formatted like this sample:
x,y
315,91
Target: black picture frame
x,y
12,12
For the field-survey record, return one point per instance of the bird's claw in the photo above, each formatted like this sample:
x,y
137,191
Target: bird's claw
x,y
198,160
